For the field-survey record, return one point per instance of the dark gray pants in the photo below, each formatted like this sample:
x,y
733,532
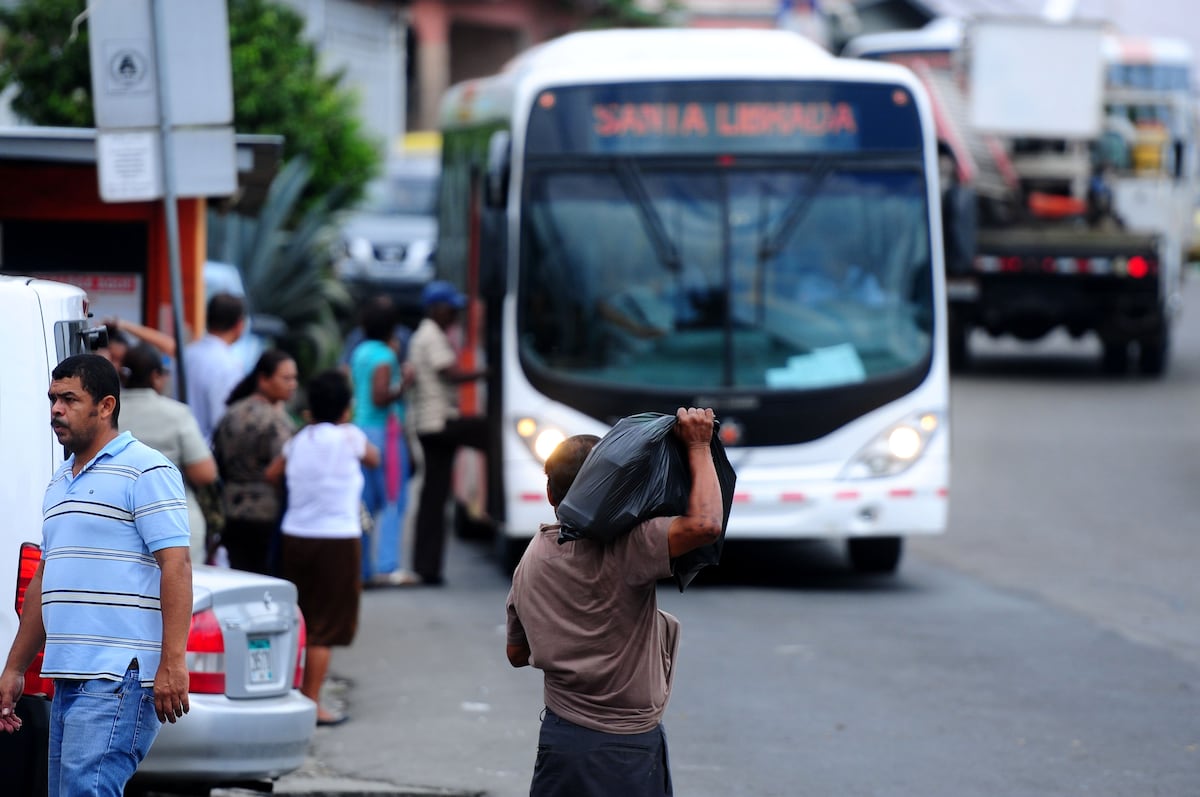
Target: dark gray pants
x,y
573,761
438,450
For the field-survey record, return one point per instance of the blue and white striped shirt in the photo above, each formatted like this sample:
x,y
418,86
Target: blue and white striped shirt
x,y
100,586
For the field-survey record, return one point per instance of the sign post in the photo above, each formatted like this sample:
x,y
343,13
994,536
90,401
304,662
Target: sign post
x,y
163,94
169,206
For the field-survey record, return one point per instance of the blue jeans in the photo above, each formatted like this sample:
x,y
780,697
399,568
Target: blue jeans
x,y
381,553
99,732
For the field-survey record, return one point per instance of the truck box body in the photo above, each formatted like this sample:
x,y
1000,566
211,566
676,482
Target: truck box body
x,y
1033,80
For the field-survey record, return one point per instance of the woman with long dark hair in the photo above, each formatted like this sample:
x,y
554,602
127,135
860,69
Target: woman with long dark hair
x,y
248,438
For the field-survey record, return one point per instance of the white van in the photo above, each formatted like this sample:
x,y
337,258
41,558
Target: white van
x,y
248,721
42,322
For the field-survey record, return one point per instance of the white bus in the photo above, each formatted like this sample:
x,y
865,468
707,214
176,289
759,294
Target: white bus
x,y
660,218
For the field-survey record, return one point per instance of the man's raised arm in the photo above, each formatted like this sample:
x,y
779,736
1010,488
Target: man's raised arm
x,y
702,523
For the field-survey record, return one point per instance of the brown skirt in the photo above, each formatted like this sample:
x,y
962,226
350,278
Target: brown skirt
x,y
328,577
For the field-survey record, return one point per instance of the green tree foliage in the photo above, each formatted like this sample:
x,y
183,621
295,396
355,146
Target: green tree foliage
x,y
278,87
49,65
621,13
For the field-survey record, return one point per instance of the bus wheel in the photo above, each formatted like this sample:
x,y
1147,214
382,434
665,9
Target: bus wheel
x,y
509,551
468,528
875,554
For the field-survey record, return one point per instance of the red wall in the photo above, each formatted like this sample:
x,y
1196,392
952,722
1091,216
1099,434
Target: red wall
x,y
70,192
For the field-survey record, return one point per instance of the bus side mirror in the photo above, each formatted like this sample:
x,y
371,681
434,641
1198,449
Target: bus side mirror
x,y
499,160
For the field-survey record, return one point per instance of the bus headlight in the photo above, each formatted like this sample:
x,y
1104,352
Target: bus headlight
x,y
896,449
541,438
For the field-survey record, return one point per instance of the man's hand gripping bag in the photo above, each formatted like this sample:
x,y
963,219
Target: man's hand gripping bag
x,y
637,471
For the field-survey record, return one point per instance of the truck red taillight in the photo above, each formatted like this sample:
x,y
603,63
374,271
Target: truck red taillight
x,y
27,565
302,633
206,654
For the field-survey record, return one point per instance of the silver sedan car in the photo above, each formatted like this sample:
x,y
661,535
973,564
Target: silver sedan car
x,y
248,720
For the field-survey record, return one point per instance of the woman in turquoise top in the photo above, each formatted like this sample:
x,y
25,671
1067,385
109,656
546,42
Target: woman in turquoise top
x,y
378,386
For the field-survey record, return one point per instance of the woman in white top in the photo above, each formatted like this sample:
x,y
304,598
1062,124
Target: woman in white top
x,y
322,526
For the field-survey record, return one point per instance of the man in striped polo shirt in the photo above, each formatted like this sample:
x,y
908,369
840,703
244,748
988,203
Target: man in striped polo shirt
x,y
112,598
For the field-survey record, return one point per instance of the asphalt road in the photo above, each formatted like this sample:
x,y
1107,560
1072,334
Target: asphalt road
x,y
1082,488
1047,645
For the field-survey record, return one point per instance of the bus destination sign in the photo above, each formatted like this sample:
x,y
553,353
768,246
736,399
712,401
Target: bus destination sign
x,y
776,118
725,120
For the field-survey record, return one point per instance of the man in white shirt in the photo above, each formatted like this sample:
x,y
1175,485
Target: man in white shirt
x,y
213,367
434,415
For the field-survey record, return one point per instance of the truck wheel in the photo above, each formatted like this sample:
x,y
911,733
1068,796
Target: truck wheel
x,y
957,332
875,554
1152,355
1115,359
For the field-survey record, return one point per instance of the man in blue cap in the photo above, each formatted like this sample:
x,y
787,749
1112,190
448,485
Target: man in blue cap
x,y
435,417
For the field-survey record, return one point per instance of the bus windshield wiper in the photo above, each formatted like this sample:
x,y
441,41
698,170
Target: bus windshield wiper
x,y
629,175
796,210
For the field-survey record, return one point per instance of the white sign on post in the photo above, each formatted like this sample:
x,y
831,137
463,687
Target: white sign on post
x,y
128,162
194,57
127,67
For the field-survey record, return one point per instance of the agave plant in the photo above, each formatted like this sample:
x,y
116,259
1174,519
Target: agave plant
x,y
287,272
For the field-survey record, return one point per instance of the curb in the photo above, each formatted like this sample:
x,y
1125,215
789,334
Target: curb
x,y
325,786
315,779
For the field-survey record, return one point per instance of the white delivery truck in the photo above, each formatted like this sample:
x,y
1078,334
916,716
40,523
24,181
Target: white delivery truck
x,y
43,322
1069,178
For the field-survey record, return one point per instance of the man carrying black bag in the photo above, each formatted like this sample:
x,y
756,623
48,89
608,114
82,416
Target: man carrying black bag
x,y
585,612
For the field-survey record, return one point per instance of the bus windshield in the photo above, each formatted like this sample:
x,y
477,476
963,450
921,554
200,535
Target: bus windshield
x,y
753,237
758,277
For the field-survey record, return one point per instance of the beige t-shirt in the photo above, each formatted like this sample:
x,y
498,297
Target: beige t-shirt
x,y
589,614
168,426
431,400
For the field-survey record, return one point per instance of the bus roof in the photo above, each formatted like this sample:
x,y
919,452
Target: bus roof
x,y
652,54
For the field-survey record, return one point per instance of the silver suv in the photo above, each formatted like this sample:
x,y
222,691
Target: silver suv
x,y
388,242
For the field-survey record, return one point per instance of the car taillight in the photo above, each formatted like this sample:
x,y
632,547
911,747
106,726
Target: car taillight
x,y
31,556
27,565
298,676
206,654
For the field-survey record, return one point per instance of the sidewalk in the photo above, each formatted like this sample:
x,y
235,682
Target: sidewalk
x,y
434,708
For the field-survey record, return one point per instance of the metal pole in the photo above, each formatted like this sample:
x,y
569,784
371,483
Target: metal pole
x,y
169,200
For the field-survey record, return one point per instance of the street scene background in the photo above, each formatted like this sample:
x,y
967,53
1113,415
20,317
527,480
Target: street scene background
x,y
1046,645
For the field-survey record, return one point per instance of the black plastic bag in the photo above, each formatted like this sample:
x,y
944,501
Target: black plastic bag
x,y
638,471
